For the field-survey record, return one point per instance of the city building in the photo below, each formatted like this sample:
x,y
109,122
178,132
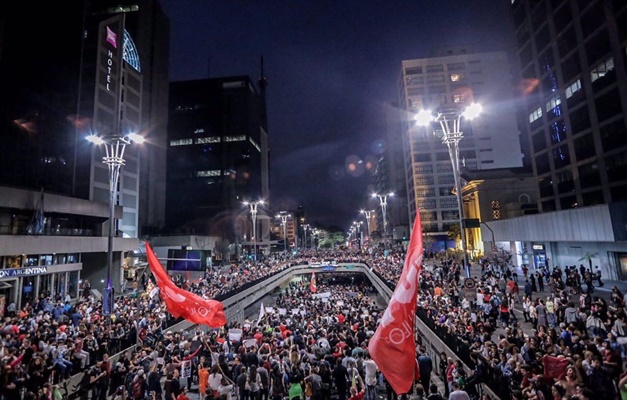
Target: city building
x,y
217,159
48,242
574,96
454,77
104,73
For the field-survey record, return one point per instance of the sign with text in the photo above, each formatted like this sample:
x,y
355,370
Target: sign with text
x,y
23,271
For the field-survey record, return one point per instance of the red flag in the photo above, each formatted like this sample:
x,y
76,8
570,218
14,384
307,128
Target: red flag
x,y
182,303
555,367
313,282
393,347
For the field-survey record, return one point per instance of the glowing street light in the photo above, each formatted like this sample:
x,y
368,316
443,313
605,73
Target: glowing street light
x,y
114,145
450,122
368,215
383,202
252,206
284,217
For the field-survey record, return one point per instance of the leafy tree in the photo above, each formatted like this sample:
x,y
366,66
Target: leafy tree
x,y
588,257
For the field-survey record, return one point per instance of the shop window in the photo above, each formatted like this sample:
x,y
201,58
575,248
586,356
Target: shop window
x,y
31,261
568,202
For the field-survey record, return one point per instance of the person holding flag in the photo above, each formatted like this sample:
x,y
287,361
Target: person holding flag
x,y
393,346
313,283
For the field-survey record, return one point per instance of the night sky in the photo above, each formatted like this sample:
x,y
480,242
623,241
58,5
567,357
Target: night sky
x,y
330,66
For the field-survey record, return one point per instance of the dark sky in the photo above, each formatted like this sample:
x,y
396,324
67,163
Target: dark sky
x,y
330,67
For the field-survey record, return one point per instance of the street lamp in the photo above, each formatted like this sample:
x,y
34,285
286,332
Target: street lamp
x,y
284,218
114,145
359,234
252,206
450,122
368,215
383,202
306,227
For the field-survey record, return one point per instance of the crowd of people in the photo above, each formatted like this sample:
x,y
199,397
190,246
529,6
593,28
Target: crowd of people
x,y
554,341
309,346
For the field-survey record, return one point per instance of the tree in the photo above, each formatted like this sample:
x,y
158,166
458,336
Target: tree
x,y
588,257
500,257
454,233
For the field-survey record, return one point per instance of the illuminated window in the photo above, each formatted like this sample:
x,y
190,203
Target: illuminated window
x,y
457,77
602,69
572,89
204,174
181,142
210,139
458,98
238,138
535,115
553,102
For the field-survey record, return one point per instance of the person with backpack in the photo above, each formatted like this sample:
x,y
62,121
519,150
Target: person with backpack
x,y
314,381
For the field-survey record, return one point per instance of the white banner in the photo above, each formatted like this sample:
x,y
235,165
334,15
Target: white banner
x,y
295,311
324,295
186,369
235,335
282,311
249,342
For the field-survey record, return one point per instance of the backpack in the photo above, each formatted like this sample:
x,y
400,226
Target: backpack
x,y
137,390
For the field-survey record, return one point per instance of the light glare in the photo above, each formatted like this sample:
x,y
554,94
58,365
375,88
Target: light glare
x,y
472,111
424,117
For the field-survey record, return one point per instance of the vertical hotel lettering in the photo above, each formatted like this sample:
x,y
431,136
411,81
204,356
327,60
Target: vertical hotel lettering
x,y
112,39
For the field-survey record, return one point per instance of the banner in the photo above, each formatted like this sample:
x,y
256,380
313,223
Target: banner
x,y
262,312
324,295
181,303
235,335
392,346
555,367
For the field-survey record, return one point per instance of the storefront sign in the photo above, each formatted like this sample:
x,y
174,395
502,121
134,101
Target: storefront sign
x,y
23,271
538,247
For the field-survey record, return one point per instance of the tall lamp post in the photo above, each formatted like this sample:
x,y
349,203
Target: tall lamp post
x,y
368,215
450,123
359,234
305,229
114,145
252,206
383,202
284,217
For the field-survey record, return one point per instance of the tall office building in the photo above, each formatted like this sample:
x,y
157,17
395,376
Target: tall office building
x,y
572,57
217,158
454,77
97,67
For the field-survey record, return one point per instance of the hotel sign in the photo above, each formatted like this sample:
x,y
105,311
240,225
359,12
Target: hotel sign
x,y
112,39
27,271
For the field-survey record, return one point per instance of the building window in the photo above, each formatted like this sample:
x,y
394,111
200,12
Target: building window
x,y
602,69
535,115
417,91
448,203
210,139
435,68
496,209
204,174
413,71
572,89
553,103
238,138
181,142
457,77
414,80
435,78
455,66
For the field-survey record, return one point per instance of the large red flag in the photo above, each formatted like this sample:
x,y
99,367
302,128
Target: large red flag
x,y
313,283
182,303
393,347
